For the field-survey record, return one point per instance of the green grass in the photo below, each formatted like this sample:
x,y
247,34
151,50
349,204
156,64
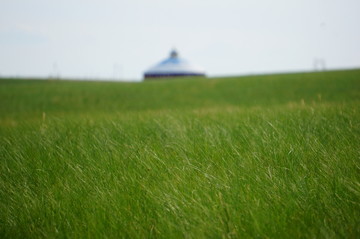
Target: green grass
x,y
272,156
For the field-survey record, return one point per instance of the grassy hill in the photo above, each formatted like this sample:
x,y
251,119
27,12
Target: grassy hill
x,y
272,156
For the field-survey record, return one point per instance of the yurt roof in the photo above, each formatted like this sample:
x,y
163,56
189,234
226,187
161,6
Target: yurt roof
x,y
175,65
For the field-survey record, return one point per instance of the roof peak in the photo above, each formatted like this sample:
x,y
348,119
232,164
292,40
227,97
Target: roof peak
x,y
174,53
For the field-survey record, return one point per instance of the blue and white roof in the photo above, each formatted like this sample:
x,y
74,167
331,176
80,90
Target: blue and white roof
x,y
174,66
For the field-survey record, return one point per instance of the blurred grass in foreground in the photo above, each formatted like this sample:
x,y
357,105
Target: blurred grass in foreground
x,y
262,156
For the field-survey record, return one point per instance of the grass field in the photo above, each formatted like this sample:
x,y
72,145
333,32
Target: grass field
x,y
274,156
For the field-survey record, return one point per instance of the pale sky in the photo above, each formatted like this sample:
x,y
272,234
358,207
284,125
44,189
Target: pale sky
x,y
121,39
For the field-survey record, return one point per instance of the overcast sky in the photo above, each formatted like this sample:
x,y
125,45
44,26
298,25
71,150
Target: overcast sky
x,y
122,38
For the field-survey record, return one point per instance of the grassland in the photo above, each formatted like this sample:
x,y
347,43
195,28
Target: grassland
x,y
272,156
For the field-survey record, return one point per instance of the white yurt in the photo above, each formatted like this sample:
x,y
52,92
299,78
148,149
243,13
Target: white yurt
x,y
173,66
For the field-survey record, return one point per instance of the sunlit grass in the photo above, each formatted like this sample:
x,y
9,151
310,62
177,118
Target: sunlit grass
x,y
267,156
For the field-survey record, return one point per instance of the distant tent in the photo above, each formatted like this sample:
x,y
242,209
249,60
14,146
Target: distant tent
x,y
174,66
